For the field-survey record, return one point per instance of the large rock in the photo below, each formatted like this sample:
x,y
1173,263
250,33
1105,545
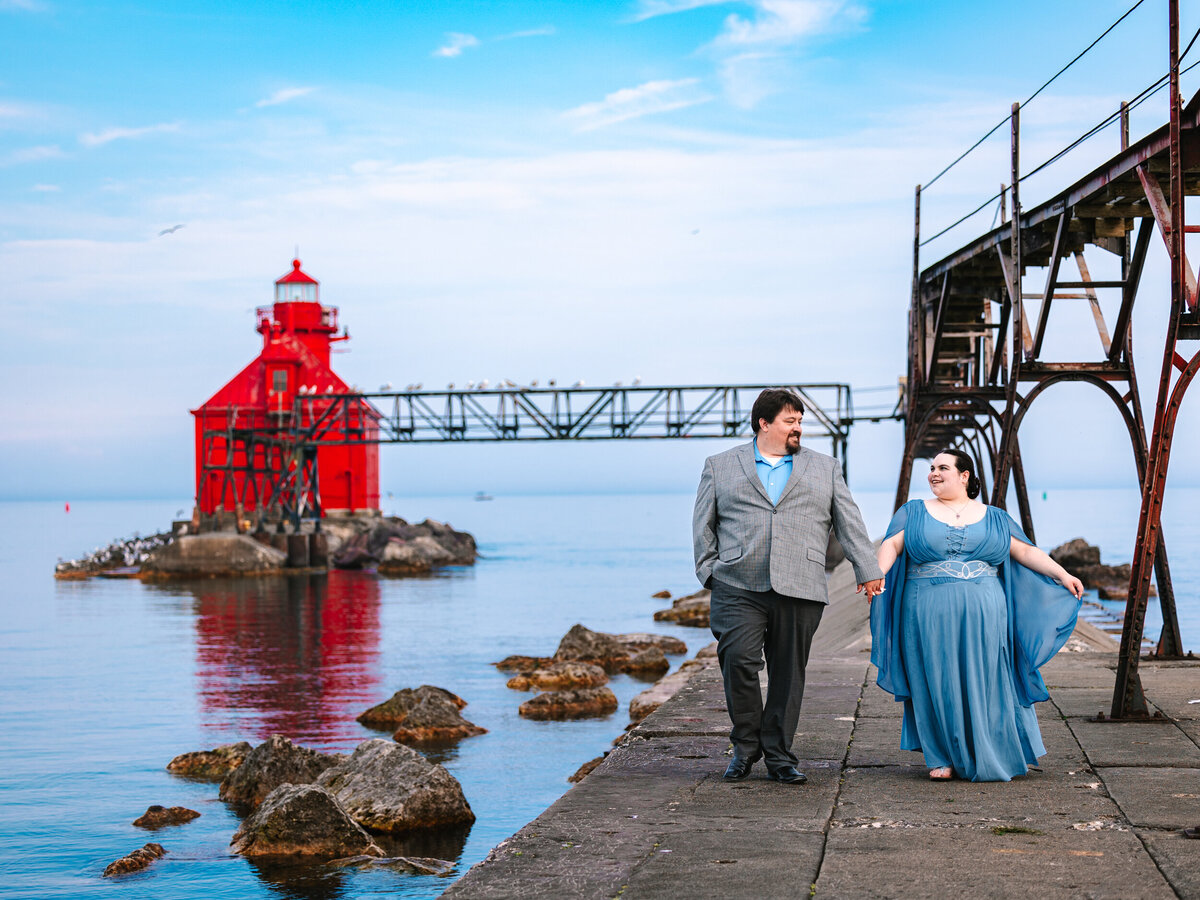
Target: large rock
x,y
211,765
1110,582
135,861
584,645
302,820
412,557
426,715
274,762
1082,560
397,547
395,709
586,769
211,555
413,865
691,610
157,817
435,722
648,662
579,704
639,641
639,653
392,788
523,664
560,676
1075,554
669,685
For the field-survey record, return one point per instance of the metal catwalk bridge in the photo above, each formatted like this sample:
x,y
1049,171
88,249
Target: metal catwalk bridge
x,y
978,356
572,414
273,464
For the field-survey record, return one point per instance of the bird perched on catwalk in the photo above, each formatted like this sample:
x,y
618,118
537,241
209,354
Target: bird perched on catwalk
x,y
386,387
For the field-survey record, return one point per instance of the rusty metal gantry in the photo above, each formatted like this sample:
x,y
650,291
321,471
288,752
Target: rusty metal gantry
x,y
976,358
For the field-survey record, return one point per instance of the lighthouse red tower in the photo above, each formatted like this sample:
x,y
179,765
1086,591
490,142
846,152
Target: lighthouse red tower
x,y
245,445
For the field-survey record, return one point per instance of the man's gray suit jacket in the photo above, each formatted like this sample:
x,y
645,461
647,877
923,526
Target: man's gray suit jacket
x,y
742,539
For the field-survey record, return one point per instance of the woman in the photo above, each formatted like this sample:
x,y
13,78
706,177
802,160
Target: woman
x,y
971,611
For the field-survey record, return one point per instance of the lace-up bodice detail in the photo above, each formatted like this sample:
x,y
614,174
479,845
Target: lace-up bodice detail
x,y
956,536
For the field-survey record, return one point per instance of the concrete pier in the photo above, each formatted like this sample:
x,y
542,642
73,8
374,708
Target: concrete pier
x,y
1102,818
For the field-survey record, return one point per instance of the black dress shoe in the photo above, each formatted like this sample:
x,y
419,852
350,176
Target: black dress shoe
x,y
788,775
739,767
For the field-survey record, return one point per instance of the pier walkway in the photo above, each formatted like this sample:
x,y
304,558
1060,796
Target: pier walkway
x,y
1102,818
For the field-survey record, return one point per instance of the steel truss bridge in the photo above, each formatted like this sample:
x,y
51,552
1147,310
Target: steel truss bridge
x,y
977,357
273,464
572,414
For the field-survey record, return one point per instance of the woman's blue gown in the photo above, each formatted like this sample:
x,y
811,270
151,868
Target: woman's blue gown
x,y
963,654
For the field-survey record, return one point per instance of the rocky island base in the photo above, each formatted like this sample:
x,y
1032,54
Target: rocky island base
x,y
195,549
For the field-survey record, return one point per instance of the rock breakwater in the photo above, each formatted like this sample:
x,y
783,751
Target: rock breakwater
x,y
389,545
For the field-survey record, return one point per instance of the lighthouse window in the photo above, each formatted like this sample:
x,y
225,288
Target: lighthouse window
x,y
292,292
279,381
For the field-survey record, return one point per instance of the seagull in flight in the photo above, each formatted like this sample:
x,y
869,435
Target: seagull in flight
x,y
171,230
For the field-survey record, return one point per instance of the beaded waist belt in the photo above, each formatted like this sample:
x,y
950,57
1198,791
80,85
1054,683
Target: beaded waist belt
x,y
953,568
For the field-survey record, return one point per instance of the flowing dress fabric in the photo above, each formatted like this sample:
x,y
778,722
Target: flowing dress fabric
x,y
963,654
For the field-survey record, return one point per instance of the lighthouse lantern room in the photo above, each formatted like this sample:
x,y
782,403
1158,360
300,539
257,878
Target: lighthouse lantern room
x,y
245,432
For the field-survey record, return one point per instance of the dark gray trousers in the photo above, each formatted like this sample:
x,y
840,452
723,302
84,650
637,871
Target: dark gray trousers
x,y
748,626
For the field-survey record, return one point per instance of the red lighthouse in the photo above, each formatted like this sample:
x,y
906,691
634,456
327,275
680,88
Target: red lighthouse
x,y
246,433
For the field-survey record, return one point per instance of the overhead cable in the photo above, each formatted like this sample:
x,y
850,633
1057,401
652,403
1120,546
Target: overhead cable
x,y
1137,101
1045,85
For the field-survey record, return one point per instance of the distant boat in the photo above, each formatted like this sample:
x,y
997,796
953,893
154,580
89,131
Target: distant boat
x,y
483,495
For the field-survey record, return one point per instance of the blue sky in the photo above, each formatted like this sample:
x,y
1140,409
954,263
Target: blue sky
x,y
677,189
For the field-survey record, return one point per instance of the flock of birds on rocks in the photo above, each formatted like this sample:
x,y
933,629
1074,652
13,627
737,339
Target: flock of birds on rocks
x,y
130,552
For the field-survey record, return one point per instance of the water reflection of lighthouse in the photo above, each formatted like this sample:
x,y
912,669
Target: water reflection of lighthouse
x,y
297,656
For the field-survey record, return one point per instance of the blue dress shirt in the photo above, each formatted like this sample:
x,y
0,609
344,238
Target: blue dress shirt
x,y
774,477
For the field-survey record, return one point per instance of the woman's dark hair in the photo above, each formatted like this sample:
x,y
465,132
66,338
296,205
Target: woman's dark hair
x,y
771,402
963,463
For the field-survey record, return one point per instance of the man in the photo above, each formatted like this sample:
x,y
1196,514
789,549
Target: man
x,y
763,515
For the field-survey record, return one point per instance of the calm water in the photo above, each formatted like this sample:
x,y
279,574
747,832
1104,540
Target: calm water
x,y
102,682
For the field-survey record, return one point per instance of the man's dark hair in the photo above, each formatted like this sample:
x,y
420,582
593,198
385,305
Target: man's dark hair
x,y
771,403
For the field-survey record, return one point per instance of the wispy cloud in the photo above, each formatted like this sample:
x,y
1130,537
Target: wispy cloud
x,y
33,154
46,188
544,31
24,5
12,111
284,95
455,44
751,48
631,103
780,23
648,9
96,139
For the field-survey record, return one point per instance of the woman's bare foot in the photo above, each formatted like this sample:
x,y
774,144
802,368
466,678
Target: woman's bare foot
x,y
942,773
